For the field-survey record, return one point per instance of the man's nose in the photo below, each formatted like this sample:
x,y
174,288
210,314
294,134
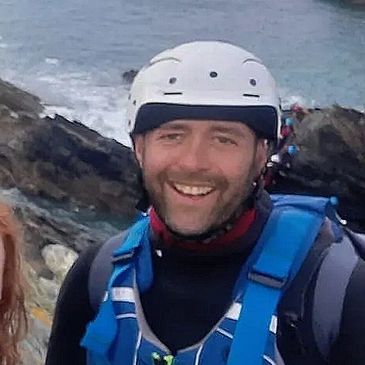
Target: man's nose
x,y
195,155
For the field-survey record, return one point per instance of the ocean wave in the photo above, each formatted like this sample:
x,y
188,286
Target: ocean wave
x,y
108,123
79,96
52,61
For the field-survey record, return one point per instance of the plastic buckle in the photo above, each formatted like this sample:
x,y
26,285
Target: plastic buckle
x,y
125,257
267,280
157,359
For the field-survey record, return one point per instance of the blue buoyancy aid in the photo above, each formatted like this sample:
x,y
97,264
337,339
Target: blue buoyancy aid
x,y
246,333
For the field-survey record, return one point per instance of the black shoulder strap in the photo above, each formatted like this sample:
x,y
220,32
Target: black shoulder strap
x,y
294,320
358,240
330,291
329,266
101,269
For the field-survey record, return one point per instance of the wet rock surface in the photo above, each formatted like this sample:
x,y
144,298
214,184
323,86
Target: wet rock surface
x,y
128,76
67,162
70,188
331,160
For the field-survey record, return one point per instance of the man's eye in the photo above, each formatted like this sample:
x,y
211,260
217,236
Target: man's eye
x,y
226,140
171,137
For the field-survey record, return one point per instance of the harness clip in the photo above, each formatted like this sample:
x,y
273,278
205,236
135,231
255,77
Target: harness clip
x,y
267,280
121,258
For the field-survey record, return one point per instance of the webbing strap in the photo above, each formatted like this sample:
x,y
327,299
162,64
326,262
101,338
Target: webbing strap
x,y
287,238
101,270
330,291
134,239
101,332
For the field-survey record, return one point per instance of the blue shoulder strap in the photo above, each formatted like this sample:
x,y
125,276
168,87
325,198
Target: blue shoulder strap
x,y
286,240
101,332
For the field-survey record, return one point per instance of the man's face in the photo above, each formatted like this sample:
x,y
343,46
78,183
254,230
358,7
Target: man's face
x,y
198,172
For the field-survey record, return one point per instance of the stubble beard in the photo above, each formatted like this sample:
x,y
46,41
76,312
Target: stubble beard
x,y
219,214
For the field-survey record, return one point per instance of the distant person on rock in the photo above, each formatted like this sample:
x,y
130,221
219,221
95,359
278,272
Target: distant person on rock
x,y
287,157
286,131
299,112
279,164
218,272
272,169
12,306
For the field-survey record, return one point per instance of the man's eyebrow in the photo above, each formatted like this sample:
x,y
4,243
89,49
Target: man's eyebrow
x,y
230,130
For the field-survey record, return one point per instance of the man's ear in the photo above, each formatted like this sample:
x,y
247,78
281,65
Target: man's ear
x,y
138,142
262,152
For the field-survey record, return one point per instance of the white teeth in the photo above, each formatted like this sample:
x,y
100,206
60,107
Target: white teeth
x,y
193,190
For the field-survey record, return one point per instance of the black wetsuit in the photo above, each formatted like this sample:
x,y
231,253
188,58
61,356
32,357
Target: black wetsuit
x,y
186,286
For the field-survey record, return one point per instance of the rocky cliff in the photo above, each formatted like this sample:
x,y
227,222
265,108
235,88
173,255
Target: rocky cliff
x,y
331,160
70,187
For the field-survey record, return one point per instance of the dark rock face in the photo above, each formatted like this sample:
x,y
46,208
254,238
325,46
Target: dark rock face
x,y
70,187
65,161
332,146
45,223
128,76
331,160
18,100
355,2
79,163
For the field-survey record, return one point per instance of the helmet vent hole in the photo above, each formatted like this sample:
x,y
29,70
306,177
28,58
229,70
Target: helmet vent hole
x,y
129,96
251,96
213,74
172,80
253,82
134,102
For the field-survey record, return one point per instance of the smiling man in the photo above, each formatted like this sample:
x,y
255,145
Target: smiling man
x,y
218,272
199,172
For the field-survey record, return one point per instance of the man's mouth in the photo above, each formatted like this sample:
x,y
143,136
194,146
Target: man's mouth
x,y
192,190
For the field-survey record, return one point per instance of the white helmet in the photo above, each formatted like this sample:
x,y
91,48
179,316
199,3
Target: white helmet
x,y
204,80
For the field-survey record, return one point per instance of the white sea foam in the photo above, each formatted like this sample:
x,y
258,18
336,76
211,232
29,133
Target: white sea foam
x,y
107,123
288,98
97,100
77,96
52,61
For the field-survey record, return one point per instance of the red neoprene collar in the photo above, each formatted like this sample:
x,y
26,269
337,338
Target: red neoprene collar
x,y
238,230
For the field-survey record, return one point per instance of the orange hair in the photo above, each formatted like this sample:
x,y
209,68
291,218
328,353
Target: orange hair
x,y
13,319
